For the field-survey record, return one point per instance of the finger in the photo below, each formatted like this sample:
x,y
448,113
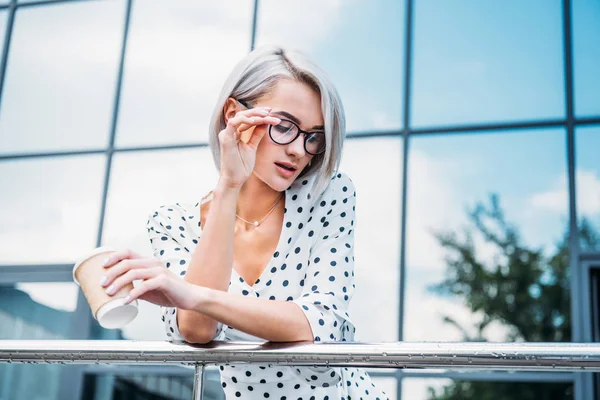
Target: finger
x,y
256,137
130,276
142,288
256,111
124,266
236,121
240,121
119,255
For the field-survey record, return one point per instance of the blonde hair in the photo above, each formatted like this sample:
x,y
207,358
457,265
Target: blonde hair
x,y
256,76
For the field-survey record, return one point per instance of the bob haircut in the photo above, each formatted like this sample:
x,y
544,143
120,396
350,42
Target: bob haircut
x,y
256,76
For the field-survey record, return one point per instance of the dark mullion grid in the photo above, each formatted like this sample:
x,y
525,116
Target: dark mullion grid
x,y
583,383
406,132
72,380
406,137
48,2
403,133
10,19
254,23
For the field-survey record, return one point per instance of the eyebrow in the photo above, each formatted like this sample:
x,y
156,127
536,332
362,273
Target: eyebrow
x,y
296,120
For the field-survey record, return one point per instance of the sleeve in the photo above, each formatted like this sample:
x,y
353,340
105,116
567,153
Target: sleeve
x,y
329,283
164,234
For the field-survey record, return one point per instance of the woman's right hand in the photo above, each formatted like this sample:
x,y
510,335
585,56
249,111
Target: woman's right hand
x,y
238,158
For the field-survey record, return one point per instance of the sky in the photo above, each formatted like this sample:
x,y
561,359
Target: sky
x,y
473,62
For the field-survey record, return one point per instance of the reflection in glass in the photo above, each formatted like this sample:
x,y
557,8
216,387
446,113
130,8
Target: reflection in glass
x,y
140,183
448,389
178,57
587,183
360,47
374,165
486,238
487,62
107,387
586,57
51,208
61,75
34,311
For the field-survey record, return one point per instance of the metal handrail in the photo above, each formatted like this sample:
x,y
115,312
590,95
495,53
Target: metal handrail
x,y
412,355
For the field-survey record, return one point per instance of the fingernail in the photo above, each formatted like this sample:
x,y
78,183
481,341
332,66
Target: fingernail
x,y
127,299
110,289
103,280
106,260
264,112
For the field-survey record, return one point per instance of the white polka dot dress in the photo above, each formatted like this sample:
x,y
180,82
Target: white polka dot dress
x,y
312,266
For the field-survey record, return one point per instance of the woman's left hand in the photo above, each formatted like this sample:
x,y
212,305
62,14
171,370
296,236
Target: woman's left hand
x,y
159,285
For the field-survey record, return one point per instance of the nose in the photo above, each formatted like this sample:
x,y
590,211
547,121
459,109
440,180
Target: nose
x,y
296,148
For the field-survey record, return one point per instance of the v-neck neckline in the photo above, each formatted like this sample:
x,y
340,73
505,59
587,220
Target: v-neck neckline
x,y
268,267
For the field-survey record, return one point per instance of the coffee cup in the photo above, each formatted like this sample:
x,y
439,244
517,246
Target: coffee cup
x,y
111,312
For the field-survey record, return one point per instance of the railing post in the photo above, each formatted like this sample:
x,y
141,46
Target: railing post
x,y
198,381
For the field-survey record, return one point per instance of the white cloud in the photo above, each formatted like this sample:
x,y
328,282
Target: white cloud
x,y
59,295
556,199
285,23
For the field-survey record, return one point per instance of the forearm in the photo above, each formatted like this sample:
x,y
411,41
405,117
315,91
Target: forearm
x,y
212,259
277,321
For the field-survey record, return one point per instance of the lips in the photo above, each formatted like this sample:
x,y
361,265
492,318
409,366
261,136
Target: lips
x,y
287,166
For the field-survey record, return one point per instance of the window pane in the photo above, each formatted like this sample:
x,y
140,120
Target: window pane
x,y
178,57
139,184
106,387
34,311
586,53
438,389
51,208
367,161
3,22
60,77
347,43
483,61
489,257
588,186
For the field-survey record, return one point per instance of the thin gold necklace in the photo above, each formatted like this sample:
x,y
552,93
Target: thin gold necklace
x,y
257,223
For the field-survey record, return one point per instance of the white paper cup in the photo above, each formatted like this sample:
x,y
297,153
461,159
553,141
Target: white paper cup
x,y
111,312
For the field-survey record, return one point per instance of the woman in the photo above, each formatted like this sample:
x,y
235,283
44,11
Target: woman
x,y
268,254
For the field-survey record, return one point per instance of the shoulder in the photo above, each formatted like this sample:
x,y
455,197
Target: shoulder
x,y
177,214
340,186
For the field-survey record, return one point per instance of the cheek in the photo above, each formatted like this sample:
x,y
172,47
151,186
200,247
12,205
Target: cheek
x,y
265,147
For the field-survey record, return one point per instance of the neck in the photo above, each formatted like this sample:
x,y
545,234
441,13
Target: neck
x,y
256,199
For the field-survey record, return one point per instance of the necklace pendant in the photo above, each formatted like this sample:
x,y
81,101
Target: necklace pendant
x,y
255,224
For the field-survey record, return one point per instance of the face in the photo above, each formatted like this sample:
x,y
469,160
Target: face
x,y
296,102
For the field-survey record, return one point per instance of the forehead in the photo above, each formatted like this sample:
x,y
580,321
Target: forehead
x,y
297,99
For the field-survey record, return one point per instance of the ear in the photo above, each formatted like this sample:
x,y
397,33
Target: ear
x,y
230,108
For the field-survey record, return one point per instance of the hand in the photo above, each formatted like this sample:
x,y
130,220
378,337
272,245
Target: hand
x,y
159,286
238,158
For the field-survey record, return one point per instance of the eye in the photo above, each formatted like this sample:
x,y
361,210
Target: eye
x,y
283,127
314,138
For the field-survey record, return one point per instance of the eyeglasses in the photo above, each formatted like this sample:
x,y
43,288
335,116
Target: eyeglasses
x,y
287,131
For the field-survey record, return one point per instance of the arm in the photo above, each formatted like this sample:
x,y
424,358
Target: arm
x,y
211,263
277,321
208,264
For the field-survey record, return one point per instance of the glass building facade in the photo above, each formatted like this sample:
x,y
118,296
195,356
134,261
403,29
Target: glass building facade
x,y
473,142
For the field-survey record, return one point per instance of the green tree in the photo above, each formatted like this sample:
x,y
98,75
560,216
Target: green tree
x,y
524,289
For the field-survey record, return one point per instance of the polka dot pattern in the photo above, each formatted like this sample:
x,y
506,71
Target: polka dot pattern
x,y
313,267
